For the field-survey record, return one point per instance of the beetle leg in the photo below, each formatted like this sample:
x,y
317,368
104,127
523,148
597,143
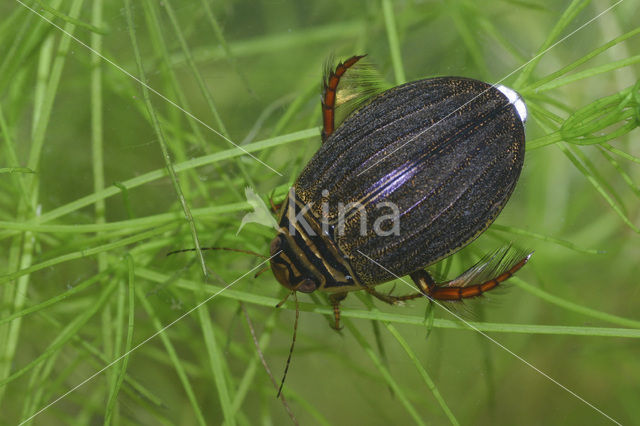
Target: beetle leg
x,y
473,284
466,286
275,207
335,299
328,100
422,279
388,298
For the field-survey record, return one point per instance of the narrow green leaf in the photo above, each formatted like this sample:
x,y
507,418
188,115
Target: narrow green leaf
x,y
567,17
394,43
597,183
83,253
173,356
65,335
403,318
398,391
113,393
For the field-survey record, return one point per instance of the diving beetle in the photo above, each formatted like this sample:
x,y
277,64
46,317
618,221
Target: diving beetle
x,y
446,152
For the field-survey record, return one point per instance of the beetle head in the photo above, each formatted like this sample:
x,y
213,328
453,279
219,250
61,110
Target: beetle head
x,y
286,271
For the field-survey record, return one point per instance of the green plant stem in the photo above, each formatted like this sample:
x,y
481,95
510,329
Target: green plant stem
x,y
575,7
163,145
574,307
121,373
395,318
65,335
171,352
398,391
82,253
158,174
394,43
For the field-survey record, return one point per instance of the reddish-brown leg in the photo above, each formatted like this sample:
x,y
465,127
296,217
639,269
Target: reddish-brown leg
x,y
275,207
328,101
445,290
335,299
451,292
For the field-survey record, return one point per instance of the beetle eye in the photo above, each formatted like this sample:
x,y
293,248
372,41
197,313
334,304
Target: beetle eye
x,y
307,286
275,246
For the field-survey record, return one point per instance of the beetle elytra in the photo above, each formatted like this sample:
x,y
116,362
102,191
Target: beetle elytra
x,y
446,152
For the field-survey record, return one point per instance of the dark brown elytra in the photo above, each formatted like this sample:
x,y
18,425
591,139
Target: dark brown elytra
x,y
447,152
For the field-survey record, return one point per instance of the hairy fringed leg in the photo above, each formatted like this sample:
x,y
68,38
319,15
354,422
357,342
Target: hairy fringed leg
x,y
477,280
480,278
328,102
335,299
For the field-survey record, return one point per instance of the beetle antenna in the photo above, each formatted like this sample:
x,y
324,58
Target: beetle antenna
x,y
264,363
293,343
219,248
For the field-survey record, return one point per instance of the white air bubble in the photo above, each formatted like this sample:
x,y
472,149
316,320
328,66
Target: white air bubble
x,y
516,100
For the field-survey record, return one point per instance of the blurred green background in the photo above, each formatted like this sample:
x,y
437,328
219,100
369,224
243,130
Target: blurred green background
x,y
88,212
